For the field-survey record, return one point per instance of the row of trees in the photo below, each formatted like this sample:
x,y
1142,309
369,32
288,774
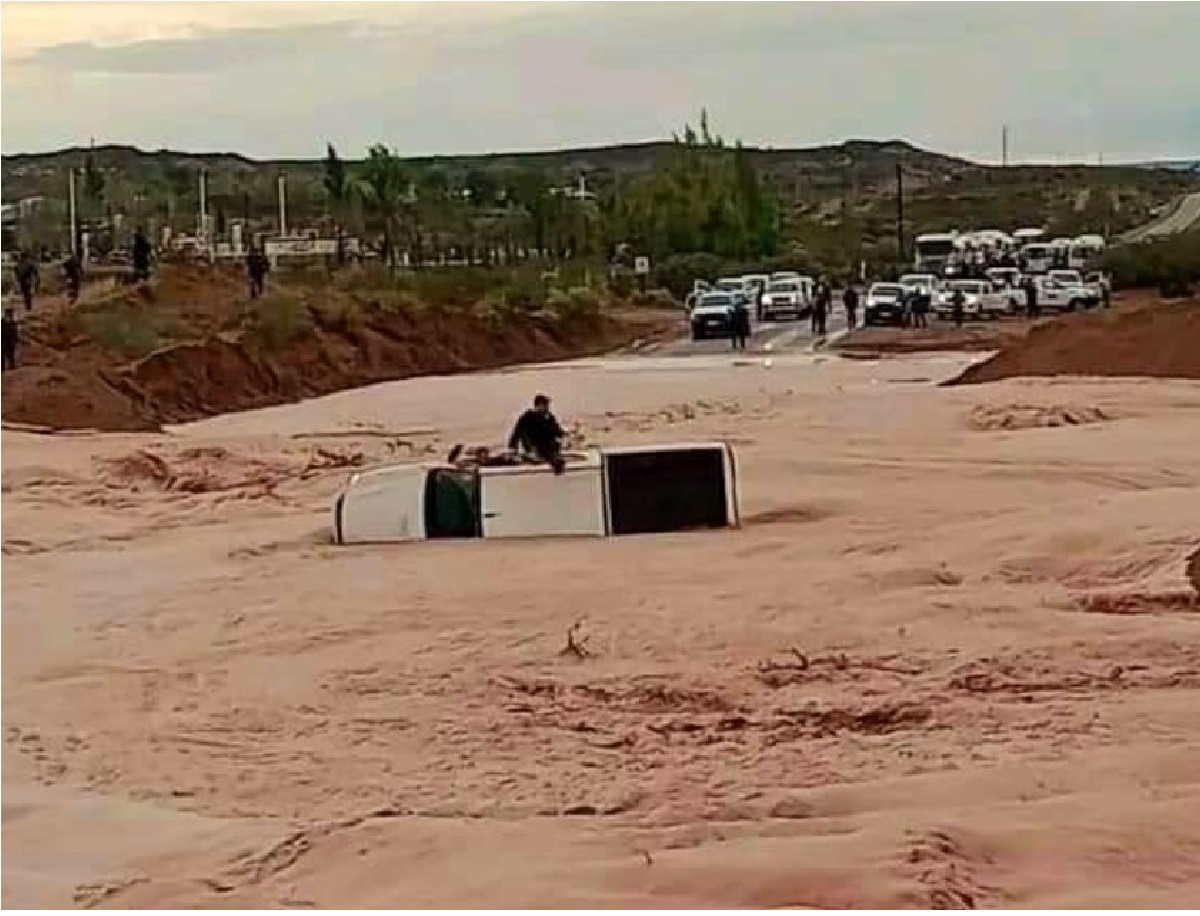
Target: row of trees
x,y
702,195
431,213
705,197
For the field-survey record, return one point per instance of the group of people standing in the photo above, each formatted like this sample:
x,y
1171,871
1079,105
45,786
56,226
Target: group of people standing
x,y
823,305
28,278
28,275
819,310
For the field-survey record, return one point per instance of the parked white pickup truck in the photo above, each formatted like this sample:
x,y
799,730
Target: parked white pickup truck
x,y
789,298
1077,293
1069,292
607,491
980,300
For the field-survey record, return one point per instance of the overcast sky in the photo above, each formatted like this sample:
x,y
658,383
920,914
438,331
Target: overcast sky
x,y
1073,80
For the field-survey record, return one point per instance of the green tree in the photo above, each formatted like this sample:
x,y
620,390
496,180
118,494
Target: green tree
x,y
385,187
93,190
703,197
338,190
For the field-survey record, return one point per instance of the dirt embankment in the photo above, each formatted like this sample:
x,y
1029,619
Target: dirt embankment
x,y
1156,340
77,371
873,342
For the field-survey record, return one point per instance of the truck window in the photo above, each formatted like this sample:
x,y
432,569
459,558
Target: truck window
x,y
452,504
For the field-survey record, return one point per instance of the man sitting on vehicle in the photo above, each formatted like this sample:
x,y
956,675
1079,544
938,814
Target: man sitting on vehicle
x,y
538,434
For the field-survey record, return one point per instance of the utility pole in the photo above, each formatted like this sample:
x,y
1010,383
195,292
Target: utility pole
x,y
900,209
202,223
282,204
1004,146
72,208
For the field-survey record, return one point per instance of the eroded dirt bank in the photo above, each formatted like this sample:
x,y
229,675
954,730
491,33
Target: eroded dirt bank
x,y
218,355
1155,340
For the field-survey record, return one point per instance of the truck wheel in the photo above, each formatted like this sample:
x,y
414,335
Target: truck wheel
x,y
1072,305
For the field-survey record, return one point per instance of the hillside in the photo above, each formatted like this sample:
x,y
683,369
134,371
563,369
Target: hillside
x,y
43,174
839,198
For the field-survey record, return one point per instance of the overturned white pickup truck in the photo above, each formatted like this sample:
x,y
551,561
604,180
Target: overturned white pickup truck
x,y
605,491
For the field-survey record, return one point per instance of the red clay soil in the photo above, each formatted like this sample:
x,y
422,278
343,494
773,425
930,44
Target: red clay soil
x,y
1155,340
69,381
938,337
191,381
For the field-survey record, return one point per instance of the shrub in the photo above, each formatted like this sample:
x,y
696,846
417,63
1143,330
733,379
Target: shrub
x,y
340,312
525,292
277,318
577,303
678,272
655,298
128,333
622,283
1171,264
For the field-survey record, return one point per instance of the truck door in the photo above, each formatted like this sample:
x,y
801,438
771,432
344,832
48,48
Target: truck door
x,y
533,501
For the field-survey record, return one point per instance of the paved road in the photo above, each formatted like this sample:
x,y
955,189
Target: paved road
x,y
1181,218
765,337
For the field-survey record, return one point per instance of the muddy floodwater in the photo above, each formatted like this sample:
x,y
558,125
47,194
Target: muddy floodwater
x,y
952,659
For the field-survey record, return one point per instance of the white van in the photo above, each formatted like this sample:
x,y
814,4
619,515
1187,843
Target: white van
x,y
1085,252
1037,258
607,491
933,252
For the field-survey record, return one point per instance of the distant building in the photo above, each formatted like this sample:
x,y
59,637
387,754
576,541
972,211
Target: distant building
x,y
578,191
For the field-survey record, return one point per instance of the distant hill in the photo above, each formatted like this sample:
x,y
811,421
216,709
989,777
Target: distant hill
x,y
1175,165
851,185
32,174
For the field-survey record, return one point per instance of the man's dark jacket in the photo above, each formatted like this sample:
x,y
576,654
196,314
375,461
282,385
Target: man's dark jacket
x,y
538,433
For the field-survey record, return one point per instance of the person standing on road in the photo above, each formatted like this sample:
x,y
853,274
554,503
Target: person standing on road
x,y
850,301
919,303
257,268
821,302
1031,298
27,279
73,272
141,256
739,324
12,338
958,302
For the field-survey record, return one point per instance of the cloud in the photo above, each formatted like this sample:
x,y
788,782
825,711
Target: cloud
x,y
204,52
1071,79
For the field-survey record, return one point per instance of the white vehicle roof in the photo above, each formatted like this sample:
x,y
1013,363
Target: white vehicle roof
x,y
937,236
1094,240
